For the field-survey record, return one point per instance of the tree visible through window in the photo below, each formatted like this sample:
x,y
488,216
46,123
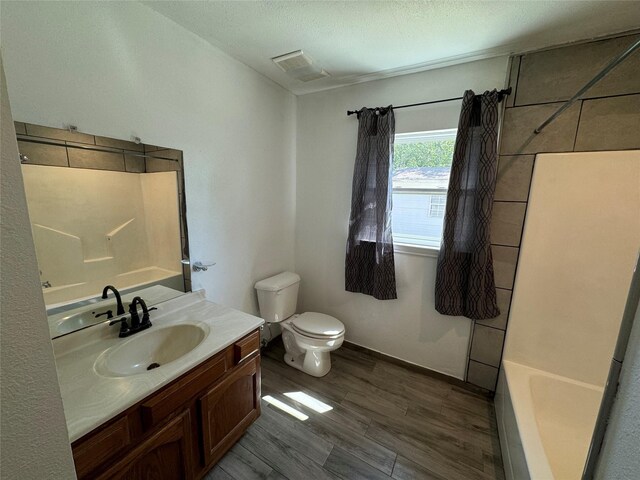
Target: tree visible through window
x,y
421,167
436,153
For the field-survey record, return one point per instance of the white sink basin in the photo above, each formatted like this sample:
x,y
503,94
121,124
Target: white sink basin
x,y
150,349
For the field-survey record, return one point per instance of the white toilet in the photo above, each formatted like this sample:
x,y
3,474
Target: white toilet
x,y
309,337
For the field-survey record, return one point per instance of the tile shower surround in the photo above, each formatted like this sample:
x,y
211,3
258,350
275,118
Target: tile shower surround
x,y
106,154
606,118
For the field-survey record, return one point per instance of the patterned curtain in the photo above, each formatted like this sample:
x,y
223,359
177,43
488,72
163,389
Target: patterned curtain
x,y
369,266
464,279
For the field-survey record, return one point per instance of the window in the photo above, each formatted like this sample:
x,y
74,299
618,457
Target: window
x,y
436,207
421,167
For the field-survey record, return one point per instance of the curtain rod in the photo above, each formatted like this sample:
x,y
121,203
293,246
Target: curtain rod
x,y
501,94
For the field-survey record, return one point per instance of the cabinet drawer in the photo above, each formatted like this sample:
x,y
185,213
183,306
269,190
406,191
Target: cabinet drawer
x,y
160,406
246,346
101,446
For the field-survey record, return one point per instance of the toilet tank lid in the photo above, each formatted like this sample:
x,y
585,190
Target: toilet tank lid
x,y
278,282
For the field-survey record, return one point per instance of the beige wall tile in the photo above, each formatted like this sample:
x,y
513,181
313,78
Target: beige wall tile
x,y
487,345
186,271
58,134
557,74
504,265
184,231
180,181
158,165
610,123
514,177
40,154
134,164
123,144
29,138
520,122
504,300
21,128
506,223
80,158
168,153
482,375
183,225
513,80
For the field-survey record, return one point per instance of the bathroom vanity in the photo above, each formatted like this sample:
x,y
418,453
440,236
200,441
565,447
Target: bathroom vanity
x,y
172,421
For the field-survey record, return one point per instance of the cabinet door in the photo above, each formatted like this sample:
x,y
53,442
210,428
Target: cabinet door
x,y
165,455
228,409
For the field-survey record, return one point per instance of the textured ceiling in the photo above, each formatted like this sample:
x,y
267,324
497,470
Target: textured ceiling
x,y
357,41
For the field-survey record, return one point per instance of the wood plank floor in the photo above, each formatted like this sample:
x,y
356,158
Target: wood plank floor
x,y
381,421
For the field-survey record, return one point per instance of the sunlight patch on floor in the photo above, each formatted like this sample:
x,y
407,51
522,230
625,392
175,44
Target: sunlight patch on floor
x,y
309,401
285,408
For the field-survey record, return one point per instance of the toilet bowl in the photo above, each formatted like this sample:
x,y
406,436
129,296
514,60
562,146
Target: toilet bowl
x,y
309,350
308,337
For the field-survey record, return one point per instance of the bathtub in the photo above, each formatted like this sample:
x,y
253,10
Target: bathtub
x,y
57,297
545,423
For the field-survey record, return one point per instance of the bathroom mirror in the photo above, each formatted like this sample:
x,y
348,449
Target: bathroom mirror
x,y
103,212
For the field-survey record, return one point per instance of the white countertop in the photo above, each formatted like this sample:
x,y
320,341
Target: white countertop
x,y
90,399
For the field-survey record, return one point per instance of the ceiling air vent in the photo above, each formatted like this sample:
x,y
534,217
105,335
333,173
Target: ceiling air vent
x,y
312,75
292,61
299,66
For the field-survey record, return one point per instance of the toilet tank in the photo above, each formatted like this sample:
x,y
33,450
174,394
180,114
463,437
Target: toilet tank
x,y
278,296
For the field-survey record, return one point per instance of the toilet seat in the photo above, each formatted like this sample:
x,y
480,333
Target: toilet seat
x,y
308,340
317,325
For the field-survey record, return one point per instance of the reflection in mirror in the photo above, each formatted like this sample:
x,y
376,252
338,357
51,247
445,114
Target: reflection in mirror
x,y
94,312
103,212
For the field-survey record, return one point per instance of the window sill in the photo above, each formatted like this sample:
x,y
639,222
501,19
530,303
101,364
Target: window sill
x,y
419,250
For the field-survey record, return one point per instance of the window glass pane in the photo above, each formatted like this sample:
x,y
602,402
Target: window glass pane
x,y
436,207
421,167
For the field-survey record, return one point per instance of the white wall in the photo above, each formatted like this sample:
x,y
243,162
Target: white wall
x,y
30,396
583,220
409,327
619,457
120,69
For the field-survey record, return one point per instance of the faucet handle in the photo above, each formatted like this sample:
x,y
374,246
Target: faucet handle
x,y
124,327
146,322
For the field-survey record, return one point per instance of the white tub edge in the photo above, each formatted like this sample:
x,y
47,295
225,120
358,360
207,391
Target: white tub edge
x,y
515,377
517,380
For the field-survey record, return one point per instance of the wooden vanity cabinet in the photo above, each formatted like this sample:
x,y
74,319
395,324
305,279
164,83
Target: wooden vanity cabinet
x,y
228,409
183,429
166,454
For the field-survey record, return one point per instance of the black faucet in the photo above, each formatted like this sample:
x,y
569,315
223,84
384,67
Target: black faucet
x,y
137,325
118,299
135,319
